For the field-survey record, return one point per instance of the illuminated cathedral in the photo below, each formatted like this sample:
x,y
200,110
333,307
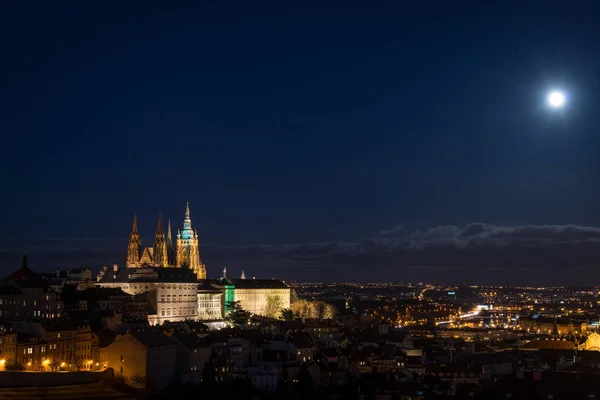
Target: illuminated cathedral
x,y
163,253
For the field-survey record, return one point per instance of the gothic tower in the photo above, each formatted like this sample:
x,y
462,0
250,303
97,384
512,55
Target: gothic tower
x,y
188,253
161,257
133,249
170,249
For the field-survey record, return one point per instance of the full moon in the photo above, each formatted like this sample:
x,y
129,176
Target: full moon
x,y
556,99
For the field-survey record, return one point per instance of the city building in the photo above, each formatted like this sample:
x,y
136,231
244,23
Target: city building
x,y
163,254
210,301
86,348
192,355
25,295
79,277
144,358
172,293
259,296
31,352
8,347
325,331
61,338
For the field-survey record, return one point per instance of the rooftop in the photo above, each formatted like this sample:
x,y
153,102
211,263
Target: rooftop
x,y
126,275
258,284
151,338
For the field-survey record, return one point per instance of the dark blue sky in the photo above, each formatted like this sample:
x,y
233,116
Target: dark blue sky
x,y
294,124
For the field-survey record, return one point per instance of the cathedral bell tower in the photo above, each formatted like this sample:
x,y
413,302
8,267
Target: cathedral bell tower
x,y
133,249
161,255
188,253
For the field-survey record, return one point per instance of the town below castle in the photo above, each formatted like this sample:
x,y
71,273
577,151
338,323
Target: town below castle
x,y
156,325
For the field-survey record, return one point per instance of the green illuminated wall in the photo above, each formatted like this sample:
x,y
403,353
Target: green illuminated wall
x,y
229,297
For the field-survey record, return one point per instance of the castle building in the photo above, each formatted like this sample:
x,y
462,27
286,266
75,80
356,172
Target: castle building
x,y
265,297
171,293
210,300
163,254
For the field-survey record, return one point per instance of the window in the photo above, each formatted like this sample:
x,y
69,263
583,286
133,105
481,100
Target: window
x,y
121,361
30,350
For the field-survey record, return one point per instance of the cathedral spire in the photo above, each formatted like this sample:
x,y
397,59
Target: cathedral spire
x,y
188,253
133,249
24,264
134,229
161,258
170,248
187,221
159,228
169,237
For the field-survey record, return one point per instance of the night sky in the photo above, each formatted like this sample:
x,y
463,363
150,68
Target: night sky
x,y
381,142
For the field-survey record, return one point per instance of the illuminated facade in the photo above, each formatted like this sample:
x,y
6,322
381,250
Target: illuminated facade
x,y
210,301
163,253
259,296
171,293
146,354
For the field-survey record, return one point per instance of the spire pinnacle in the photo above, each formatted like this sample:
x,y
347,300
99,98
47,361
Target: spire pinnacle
x,y
187,231
134,229
159,229
243,275
169,237
24,264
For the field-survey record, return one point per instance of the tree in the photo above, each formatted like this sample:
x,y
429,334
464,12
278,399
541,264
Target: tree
x,y
303,309
283,389
330,311
14,367
320,309
139,381
305,387
293,296
313,309
237,315
287,314
274,306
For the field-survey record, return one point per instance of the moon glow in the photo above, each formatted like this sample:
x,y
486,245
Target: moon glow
x,y
556,99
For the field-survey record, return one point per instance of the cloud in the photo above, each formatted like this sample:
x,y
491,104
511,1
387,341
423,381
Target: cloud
x,y
392,232
476,253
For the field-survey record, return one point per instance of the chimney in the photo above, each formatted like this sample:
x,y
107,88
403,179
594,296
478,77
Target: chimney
x,y
115,268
